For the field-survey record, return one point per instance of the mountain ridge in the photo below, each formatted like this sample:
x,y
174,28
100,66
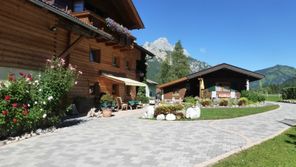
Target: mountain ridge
x,y
275,75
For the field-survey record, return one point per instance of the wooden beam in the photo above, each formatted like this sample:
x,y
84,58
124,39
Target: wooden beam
x,y
71,47
119,47
125,49
111,44
101,40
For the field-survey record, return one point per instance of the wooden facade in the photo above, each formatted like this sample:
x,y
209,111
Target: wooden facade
x,y
221,81
30,34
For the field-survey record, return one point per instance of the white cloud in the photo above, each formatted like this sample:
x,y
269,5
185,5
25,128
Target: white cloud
x,y
203,50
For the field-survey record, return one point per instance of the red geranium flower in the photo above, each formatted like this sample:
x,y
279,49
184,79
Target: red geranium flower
x,y
14,105
25,112
11,77
5,112
25,106
29,76
7,98
22,74
14,120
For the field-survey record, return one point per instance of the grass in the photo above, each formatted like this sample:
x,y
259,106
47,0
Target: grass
x,y
224,113
275,98
277,152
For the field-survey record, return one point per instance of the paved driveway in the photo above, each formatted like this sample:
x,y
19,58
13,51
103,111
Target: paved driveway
x,y
125,140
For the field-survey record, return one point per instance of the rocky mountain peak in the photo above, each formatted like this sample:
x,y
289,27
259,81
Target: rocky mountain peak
x,y
161,47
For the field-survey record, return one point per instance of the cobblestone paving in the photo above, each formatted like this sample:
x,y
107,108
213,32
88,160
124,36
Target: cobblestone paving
x,y
126,140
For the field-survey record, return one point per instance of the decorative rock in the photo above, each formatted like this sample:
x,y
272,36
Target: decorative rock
x,y
170,117
38,131
193,113
150,112
145,116
160,117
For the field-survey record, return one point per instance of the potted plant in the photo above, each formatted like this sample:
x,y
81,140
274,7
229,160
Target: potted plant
x,y
107,102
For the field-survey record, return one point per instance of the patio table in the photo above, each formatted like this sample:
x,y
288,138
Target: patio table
x,y
133,103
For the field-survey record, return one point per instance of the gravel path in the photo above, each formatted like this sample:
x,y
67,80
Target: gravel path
x,y
125,140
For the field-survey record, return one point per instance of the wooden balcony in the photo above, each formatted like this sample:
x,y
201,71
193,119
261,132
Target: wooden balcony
x,y
91,18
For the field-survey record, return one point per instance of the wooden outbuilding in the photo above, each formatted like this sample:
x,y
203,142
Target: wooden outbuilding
x,y
221,81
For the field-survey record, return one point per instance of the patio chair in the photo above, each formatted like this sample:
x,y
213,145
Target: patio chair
x,y
120,104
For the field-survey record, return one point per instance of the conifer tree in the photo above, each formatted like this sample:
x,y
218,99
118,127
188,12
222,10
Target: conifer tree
x,y
175,66
180,63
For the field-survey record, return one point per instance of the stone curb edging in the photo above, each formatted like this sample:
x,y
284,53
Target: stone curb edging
x,y
26,136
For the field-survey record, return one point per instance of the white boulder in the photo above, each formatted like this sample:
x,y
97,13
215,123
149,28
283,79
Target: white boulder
x,y
160,117
149,114
193,113
170,117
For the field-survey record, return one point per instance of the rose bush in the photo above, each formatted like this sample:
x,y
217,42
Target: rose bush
x,y
29,102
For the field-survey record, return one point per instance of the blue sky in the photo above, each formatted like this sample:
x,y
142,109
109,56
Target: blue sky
x,y
252,34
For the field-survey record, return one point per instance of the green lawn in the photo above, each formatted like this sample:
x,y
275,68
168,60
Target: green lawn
x,y
274,98
277,152
223,113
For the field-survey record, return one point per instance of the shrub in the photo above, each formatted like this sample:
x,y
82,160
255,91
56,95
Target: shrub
x,y
232,102
107,98
223,102
30,102
242,101
253,96
206,102
168,109
289,93
143,99
141,95
179,116
190,99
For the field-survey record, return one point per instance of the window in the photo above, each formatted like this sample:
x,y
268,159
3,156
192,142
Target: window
x,y
95,55
115,61
115,89
127,66
128,90
223,87
78,6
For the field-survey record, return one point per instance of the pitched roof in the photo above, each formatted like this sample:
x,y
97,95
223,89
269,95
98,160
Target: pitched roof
x,y
226,66
253,75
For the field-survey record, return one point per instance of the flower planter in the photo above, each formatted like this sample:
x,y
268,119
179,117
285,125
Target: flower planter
x,y
107,112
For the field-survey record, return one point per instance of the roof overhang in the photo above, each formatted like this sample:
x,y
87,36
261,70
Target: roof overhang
x,y
151,82
73,23
144,50
172,82
122,11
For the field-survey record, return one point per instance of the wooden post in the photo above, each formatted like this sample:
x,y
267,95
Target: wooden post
x,y
71,47
247,85
201,87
